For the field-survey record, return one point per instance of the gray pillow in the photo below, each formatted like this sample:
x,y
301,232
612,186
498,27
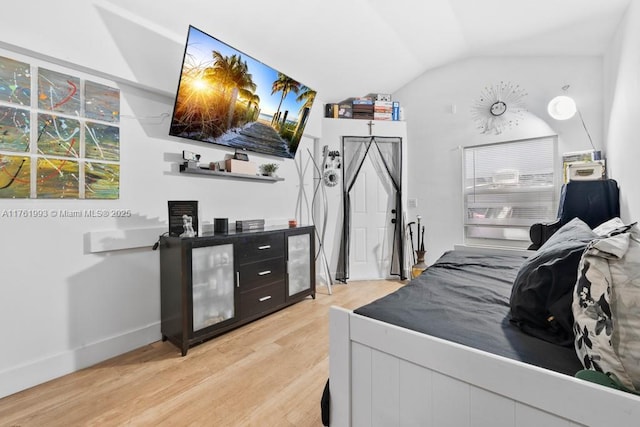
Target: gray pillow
x,y
542,294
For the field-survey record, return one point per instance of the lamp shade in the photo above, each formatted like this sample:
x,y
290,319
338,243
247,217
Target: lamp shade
x,y
562,107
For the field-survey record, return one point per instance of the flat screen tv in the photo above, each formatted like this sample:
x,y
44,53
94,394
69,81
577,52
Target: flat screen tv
x,y
226,97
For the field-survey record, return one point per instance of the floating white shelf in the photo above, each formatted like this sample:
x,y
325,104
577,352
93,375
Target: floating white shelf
x,y
209,172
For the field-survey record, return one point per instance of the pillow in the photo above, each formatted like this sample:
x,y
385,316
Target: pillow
x,y
542,292
608,226
606,307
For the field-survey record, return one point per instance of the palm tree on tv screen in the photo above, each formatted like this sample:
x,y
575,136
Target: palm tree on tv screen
x,y
253,104
306,98
285,85
307,95
232,73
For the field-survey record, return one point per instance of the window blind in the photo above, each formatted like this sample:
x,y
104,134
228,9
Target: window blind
x,y
508,187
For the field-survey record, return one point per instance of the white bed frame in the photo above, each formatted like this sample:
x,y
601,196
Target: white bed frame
x,y
385,375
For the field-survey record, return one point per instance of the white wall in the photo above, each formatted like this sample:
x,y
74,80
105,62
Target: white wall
x,y
622,89
435,132
64,308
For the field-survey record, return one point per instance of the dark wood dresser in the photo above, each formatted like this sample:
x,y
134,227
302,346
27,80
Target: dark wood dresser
x,y
214,283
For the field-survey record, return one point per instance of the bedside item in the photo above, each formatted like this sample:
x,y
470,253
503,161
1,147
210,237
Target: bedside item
x,y
586,171
240,166
177,210
191,159
238,155
249,224
269,169
293,223
379,96
419,266
221,225
187,226
581,158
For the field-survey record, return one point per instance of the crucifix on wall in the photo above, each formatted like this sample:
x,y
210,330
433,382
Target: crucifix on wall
x,y
371,125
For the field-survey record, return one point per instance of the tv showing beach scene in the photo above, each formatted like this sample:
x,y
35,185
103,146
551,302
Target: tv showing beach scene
x,y
226,97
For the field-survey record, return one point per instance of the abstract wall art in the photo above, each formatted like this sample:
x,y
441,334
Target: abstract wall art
x,y
101,180
57,179
59,134
15,177
15,128
15,81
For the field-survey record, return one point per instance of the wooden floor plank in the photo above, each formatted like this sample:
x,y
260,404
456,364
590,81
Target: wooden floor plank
x,y
270,372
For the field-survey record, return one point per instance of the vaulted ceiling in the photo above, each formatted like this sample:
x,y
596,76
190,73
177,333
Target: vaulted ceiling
x,y
352,47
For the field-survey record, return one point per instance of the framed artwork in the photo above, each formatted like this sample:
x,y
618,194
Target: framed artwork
x,y
15,128
15,81
15,177
57,179
101,102
59,134
58,92
101,180
102,142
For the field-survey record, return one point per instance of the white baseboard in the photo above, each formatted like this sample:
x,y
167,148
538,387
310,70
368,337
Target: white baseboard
x,y
39,371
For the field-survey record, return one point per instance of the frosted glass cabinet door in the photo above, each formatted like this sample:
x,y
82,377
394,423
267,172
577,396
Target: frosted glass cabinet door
x,y
212,278
299,267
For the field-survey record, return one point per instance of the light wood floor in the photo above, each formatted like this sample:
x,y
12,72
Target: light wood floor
x,y
268,373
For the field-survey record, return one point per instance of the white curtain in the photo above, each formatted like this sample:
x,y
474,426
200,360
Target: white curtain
x,y
386,155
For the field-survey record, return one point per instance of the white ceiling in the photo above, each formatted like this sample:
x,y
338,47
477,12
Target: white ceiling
x,y
345,48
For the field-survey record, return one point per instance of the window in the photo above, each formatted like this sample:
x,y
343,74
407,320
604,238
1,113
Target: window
x,y
508,187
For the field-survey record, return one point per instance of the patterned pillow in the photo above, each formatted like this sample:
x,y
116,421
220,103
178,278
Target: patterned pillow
x,y
609,226
606,306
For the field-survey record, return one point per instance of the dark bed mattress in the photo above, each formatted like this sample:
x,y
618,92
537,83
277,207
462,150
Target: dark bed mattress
x,y
464,298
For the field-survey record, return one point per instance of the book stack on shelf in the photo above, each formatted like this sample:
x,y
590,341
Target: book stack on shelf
x,y
370,107
362,108
382,110
341,110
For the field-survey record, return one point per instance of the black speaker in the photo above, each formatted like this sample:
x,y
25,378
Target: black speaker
x,y
221,225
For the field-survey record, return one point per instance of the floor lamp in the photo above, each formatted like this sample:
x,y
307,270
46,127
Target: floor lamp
x,y
563,107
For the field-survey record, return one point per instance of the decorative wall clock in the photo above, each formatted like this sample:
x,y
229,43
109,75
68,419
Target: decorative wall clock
x,y
499,107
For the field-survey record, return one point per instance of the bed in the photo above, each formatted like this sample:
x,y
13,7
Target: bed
x,y
441,351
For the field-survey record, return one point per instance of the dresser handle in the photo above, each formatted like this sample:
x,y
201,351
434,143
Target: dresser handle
x,y
262,273
264,247
237,279
265,298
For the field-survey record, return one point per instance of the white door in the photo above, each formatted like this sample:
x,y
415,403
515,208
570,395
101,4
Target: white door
x,y
371,243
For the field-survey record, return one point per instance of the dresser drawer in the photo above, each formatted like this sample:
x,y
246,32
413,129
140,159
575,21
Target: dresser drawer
x,y
261,300
259,247
260,273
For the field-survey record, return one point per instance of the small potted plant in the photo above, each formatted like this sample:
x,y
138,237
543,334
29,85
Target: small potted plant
x,y
268,169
